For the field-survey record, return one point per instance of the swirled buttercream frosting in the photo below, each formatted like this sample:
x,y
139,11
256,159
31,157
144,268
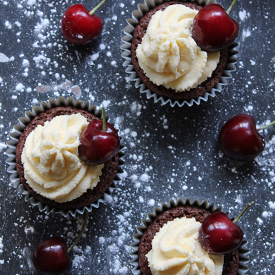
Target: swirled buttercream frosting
x,y
176,250
168,54
52,167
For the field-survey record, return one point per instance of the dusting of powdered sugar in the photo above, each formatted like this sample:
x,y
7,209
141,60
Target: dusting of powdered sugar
x,y
4,58
48,67
243,15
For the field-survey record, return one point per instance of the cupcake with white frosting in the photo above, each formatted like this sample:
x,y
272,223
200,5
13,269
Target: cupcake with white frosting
x,y
165,61
168,243
47,164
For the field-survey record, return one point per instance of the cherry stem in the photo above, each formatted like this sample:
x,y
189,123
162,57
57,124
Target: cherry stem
x,y
231,6
95,8
104,120
236,220
266,126
81,231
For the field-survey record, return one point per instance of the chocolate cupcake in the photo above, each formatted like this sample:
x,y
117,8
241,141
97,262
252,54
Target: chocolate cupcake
x,y
65,189
184,82
192,213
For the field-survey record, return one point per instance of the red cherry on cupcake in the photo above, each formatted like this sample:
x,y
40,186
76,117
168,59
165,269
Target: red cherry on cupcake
x,y
99,142
51,256
80,26
219,235
240,139
213,29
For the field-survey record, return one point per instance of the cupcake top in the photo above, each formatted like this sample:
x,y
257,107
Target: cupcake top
x,y
169,64
49,164
176,249
168,54
52,167
169,243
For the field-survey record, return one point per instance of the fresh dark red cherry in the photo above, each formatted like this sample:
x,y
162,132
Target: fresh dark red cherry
x,y
51,256
80,26
219,235
213,29
98,143
239,139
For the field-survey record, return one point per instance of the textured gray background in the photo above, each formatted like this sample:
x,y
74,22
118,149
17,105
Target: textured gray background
x,y
170,152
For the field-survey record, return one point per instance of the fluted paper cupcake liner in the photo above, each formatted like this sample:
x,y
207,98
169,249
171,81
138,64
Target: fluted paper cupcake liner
x,y
126,54
243,251
14,138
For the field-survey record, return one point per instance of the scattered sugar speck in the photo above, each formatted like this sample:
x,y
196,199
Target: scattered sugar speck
x,y
246,33
144,177
101,240
4,58
271,204
31,2
243,15
151,202
1,245
266,214
29,230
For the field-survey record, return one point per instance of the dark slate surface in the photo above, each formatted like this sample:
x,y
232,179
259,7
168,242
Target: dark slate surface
x,y
169,152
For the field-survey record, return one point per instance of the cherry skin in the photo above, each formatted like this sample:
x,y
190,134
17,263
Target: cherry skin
x,y
97,145
51,256
219,235
239,139
79,26
213,29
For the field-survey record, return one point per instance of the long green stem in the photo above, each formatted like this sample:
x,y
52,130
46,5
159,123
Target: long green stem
x,y
266,126
81,231
236,220
231,6
104,120
96,7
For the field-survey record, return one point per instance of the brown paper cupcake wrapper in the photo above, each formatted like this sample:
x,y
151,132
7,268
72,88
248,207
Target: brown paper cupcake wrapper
x,y
14,138
243,251
126,54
